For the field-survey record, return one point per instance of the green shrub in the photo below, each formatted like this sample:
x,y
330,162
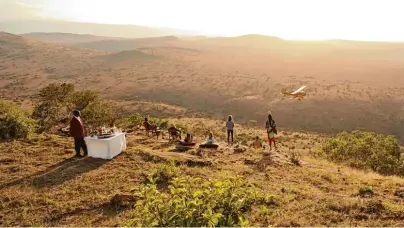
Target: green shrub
x,y
14,123
136,119
161,123
365,150
366,191
164,173
193,202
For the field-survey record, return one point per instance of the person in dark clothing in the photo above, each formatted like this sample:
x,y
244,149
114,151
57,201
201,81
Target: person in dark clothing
x,y
77,132
230,129
270,125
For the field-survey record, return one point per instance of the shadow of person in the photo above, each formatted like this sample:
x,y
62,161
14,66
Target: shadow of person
x,y
67,171
103,212
29,177
58,173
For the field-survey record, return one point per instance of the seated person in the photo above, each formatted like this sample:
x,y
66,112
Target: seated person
x,y
174,132
210,139
148,126
188,141
257,144
209,142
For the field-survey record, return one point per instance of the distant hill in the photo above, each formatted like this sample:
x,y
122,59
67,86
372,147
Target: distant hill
x,y
10,39
129,44
250,39
341,49
131,55
105,30
67,38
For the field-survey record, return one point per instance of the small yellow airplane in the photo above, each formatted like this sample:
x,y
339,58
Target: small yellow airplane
x,y
299,94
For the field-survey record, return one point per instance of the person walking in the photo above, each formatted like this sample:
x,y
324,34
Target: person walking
x,y
77,132
270,125
230,129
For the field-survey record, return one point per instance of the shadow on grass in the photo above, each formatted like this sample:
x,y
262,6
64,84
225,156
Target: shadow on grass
x,y
59,173
105,211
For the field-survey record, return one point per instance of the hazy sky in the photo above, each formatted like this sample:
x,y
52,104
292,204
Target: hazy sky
x,y
289,19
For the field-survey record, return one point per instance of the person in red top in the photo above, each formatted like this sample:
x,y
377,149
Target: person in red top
x,y
77,132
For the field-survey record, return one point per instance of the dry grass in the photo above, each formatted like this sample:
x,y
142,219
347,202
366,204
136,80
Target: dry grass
x,y
42,185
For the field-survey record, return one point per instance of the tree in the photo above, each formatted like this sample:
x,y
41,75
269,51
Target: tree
x,y
54,104
57,101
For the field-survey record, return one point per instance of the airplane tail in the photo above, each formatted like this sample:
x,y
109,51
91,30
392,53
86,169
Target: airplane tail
x,y
284,91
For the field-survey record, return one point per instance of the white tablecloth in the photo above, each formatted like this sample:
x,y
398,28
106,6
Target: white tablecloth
x,y
106,148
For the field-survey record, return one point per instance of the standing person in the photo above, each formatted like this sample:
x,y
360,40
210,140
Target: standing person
x,y
77,132
270,125
230,129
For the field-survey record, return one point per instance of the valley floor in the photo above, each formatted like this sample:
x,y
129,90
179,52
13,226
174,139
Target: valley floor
x,y
42,185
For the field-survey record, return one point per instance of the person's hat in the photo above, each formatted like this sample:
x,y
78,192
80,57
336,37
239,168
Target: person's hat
x,y
269,113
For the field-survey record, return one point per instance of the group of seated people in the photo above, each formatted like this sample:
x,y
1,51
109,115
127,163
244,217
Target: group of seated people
x,y
211,142
175,133
189,142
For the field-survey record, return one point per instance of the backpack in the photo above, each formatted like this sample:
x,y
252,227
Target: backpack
x,y
272,126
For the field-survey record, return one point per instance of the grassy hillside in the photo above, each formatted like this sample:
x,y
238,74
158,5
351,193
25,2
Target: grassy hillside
x,y
42,185
350,85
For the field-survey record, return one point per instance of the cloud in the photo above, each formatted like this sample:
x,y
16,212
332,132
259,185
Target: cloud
x,y
16,10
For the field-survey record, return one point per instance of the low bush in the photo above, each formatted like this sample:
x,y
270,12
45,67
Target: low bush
x,y
164,173
14,123
194,202
366,150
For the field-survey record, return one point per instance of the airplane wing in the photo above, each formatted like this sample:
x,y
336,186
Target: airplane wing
x,y
300,89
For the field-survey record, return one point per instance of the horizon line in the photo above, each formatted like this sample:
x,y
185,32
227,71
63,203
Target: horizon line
x,y
197,33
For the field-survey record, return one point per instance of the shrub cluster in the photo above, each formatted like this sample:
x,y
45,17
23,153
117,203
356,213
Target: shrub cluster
x,y
14,123
164,173
197,203
366,150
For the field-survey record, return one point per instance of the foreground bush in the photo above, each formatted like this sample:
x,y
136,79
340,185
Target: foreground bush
x,y
164,173
366,150
14,123
193,202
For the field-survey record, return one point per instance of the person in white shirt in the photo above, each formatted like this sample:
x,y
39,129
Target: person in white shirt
x,y
230,129
210,139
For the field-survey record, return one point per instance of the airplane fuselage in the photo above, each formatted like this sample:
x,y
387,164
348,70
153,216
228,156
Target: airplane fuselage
x,y
299,95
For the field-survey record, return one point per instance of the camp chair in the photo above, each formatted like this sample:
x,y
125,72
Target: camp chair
x,y
154,130
174,134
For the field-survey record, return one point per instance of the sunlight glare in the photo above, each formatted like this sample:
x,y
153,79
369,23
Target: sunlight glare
x,y
288,19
